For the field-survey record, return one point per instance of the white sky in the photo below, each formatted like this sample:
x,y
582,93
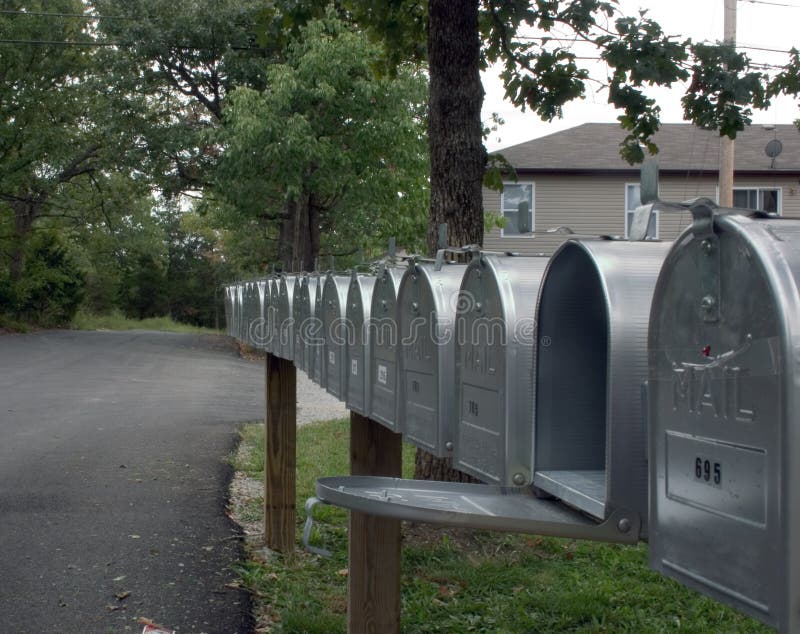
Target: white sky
x,y
759,24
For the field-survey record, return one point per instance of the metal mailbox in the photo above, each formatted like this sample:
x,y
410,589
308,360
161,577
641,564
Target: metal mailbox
x,y
315,287
494,368
590,362
284,346
250,312
384,341
301,311
260,330
426,310
357,315
239,303
273,325
229,310
334,324
724,413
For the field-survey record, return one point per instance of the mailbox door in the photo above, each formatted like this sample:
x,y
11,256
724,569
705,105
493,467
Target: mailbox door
x,y
494,368
300,312
426,396
334,296
359,298
260,331
384,343
311,329
719,425
272,317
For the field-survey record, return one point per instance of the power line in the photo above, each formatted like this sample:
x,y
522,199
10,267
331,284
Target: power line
x,y
773,4
97,43
84,16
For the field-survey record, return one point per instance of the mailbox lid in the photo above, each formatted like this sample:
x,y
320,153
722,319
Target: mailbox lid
x,y
384,342
272,316
334,302
426,308
359,301
494,368
723,398
591,360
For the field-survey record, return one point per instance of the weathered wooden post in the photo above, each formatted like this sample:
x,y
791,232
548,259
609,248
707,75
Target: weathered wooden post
x,y
373,593
280,457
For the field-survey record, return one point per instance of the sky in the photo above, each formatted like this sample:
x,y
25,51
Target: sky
x,y
769,24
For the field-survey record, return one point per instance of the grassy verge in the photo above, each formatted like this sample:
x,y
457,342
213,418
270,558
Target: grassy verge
x,y
468,581
118,321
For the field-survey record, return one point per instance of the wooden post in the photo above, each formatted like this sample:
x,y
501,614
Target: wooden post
x,y
279,452
373,593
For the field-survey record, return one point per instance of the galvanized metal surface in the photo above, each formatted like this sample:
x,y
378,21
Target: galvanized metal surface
x,y
359,300
494,368
301,312
482,506
591,359
334,302
316,286
384,341
724,404
426,310
284,346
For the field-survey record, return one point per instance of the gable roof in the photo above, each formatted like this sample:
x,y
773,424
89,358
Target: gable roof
x,y
683,148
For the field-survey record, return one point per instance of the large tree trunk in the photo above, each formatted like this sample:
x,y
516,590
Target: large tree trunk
x,y
299,237
24,215
457,155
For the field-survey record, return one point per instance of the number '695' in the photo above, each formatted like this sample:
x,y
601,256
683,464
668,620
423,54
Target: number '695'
x,y
707,471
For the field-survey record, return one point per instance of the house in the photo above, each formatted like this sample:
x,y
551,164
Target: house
x,y
576,178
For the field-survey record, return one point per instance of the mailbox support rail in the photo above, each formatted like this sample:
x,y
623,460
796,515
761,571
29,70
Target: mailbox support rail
x,y
482,506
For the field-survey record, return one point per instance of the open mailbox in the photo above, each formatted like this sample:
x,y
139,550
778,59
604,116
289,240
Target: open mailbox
x,y
494,368
723,413
359,299
590,446
334,325
383,347
426,311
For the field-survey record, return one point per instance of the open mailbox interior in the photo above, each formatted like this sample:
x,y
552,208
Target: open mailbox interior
x,y
571,383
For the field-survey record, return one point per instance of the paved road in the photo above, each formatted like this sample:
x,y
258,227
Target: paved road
x,y
112,480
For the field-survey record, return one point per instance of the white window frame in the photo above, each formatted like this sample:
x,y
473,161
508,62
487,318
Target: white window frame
x,y
630,211
533,210
759,188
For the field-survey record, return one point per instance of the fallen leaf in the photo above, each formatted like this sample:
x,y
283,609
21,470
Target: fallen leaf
x,y
135,536
343,572
114,608
123,595
120,578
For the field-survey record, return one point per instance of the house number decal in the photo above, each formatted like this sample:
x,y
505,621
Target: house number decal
x,y
708,471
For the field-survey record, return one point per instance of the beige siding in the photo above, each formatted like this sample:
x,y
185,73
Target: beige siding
x,y
595,205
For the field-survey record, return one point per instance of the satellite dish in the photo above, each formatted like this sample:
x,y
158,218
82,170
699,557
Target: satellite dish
x,y
774,148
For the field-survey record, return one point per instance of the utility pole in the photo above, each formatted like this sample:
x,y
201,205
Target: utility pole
x,y
726,149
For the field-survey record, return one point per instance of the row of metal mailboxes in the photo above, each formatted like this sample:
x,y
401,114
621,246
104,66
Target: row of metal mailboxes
x,y
657,379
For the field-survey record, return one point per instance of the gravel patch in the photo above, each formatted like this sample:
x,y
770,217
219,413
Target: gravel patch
x,y
314,403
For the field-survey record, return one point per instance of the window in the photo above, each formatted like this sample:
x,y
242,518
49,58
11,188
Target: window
x,y
633,199
517,205
758,198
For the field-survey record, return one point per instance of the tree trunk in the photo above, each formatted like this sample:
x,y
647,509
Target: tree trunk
x,y
457,155
24,215
299,234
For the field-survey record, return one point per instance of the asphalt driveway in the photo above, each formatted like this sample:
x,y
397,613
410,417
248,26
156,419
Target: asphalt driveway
x,y
113,481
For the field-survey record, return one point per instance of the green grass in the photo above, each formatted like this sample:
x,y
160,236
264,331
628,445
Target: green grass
x,y
117,321
470,581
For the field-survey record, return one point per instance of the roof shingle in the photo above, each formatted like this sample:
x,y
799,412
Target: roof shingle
x,y
682,148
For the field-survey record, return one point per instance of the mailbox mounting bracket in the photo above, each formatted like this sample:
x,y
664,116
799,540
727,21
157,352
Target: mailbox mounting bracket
x,y
482,506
